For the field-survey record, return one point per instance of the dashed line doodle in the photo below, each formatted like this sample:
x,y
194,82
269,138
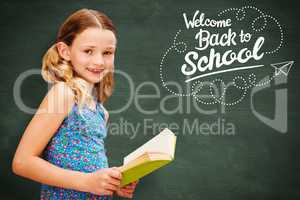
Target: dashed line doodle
x,y
239,82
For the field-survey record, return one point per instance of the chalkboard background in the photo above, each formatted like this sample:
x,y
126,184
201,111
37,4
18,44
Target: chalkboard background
x,y
256,162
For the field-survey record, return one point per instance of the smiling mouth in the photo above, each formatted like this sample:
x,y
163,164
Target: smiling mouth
x,y
95,71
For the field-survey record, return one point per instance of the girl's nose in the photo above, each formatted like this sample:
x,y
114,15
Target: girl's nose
x,y
98,60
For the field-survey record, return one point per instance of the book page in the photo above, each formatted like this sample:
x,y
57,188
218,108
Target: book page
x,y
161,143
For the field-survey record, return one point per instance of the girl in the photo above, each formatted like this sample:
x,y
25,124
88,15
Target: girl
x,y
62,147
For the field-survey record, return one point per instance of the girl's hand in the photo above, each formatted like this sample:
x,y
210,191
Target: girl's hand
x,y
104,181
128,190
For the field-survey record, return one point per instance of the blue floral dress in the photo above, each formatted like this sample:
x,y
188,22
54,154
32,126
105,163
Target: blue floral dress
x,y
77,145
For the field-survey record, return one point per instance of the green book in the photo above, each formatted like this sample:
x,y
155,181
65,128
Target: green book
x,y
154,154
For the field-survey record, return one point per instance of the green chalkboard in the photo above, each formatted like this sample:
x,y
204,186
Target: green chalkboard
x,y
245,150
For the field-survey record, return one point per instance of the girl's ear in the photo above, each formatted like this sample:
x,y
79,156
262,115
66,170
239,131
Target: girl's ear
x,y
63,50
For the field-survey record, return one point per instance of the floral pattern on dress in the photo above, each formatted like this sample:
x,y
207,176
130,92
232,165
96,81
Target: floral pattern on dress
x,y
77,145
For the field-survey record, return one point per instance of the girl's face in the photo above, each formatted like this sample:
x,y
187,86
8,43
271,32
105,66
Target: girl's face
x,y
91,52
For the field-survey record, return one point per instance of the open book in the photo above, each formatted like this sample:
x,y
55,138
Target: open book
x,y
152,155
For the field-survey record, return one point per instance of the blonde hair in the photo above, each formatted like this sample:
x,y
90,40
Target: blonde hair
x,y
56,69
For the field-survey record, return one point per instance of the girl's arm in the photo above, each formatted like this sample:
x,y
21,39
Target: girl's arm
x,y
28,163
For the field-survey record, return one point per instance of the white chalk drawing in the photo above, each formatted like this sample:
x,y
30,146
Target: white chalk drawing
x,y
282,67
240,82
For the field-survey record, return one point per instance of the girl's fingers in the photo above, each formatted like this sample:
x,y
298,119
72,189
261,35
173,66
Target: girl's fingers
x,y
125,194
130,191
114,173
114,181
133,184
107,193
127,190
129,186
111,187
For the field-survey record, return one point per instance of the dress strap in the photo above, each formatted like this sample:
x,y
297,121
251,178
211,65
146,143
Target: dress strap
x,y
104,111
